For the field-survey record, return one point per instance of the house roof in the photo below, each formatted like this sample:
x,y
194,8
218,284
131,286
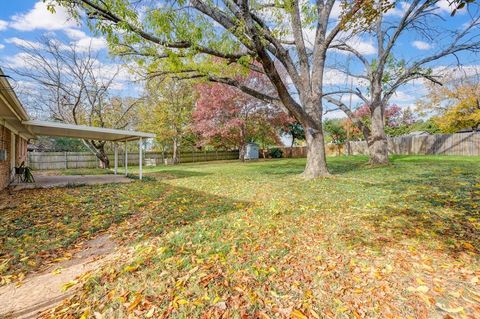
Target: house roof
x,y
15,118
12,112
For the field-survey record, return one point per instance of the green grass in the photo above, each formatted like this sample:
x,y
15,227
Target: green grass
x,y
255,239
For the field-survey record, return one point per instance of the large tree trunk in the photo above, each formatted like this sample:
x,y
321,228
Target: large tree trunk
x,y
316,159
103,157
377,141
242,151
98,148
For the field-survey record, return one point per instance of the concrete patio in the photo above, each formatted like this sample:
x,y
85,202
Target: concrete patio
x,y
44,181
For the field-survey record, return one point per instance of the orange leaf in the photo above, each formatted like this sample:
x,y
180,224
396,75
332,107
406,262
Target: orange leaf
x,y
135,303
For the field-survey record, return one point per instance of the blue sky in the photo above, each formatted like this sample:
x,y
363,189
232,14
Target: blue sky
x,y
27,20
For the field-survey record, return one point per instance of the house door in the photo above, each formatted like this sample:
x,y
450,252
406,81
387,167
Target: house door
x,y
12,155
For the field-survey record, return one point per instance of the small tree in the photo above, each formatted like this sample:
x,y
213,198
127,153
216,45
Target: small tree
x,y
225,117
335,132
71,86
456,104
295,130
167,111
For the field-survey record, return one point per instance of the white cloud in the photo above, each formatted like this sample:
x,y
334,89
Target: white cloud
x,y
444,6
421,45
89,43
336,10
23,43
75,34
365,47
40,18
401,97
336,77
398,11
458,72
19,60
84,42
1,46
3,25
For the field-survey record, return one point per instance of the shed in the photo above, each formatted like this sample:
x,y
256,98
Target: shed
x,y
251,151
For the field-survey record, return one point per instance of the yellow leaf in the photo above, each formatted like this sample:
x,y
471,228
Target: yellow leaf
x,y
57,271
182,301
69,285
131,268
297,314
423,289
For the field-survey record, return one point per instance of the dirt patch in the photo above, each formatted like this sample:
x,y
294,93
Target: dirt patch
x,y
42,291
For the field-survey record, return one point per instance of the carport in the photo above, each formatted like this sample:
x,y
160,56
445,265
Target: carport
x,y
45,128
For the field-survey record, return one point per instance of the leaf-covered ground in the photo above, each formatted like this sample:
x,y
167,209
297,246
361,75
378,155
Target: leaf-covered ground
x,y
255,240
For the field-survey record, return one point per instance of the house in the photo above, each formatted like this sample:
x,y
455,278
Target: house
x,y
16,128
13,134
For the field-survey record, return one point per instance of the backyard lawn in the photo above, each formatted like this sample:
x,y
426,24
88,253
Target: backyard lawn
x,y
255,240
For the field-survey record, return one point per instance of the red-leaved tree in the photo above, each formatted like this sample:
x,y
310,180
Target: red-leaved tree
x,y
225,117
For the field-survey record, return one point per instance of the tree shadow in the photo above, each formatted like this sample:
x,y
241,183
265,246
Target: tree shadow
x,y
427,207
47,223
174,207
337,165
177,173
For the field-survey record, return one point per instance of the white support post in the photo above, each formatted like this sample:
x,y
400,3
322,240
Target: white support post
x,y
115,150
126,159
140,148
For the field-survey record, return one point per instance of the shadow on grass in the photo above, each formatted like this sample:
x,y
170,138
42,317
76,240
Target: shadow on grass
x,y
337,165
429,207
46,223
175,207
177,173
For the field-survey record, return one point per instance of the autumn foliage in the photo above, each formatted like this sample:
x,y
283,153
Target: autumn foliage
x,y
225,117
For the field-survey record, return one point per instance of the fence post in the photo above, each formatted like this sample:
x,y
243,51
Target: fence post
x,y
205,154
66,161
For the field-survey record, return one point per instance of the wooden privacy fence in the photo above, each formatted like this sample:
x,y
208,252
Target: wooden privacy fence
x,y
64,160
467,144
301,151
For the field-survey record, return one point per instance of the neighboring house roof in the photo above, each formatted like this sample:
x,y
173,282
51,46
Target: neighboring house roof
x,y
16,119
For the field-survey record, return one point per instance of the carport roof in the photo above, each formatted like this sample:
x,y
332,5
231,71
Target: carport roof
x,y
44,128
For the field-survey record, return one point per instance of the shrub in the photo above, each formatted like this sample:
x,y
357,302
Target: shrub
x,y
276,153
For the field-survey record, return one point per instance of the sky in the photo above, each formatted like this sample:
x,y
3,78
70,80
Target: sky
x,y
27,20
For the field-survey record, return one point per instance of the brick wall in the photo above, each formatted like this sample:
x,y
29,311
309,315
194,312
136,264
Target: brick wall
x,y
4,165
20,154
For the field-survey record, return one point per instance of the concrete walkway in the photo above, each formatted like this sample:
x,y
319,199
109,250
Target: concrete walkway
x,y
39,292
42,181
